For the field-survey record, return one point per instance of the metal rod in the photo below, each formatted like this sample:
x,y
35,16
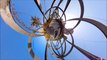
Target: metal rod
x,y
82,13
87,54
46,51
68,2
40,9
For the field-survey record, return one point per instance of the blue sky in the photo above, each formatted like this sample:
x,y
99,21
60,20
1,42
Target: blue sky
x,y
13,45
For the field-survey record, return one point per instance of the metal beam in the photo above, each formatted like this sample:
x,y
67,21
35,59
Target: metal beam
x,y
99,25
88,54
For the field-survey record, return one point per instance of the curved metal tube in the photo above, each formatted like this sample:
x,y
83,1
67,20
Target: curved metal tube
x,y
99,25
8,18
40,9
31,50
63,54
70,48
55,7
82,13
50,9
68,2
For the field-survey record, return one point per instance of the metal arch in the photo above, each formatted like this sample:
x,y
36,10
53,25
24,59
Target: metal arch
x,y
15,16
60,45
28,32
70,48
57,8
68,2
89,55
53,4
50,7
99,25
7,17
6,13
82,13
31,50
63,54
54,47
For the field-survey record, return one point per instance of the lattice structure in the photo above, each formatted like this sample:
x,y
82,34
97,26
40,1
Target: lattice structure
x,y
53,28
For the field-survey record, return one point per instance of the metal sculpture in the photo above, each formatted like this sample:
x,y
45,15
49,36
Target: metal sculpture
x,y
53,28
